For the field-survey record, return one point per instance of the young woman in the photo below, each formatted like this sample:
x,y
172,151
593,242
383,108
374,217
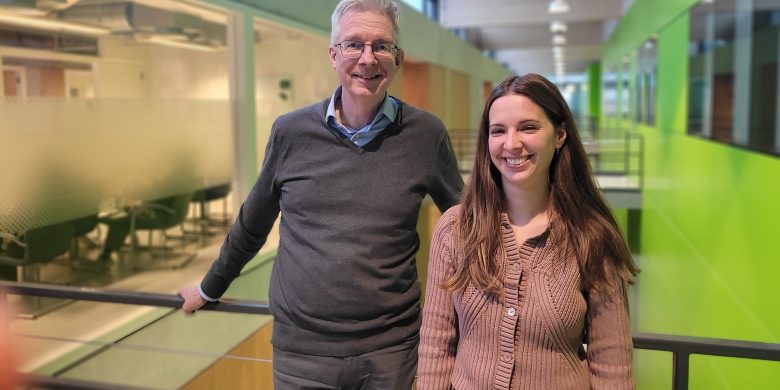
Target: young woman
x,y
527,277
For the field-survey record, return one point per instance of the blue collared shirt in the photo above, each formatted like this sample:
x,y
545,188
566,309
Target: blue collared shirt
x,y
386,115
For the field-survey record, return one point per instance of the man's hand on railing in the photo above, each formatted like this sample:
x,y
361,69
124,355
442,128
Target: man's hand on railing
x,y
192,299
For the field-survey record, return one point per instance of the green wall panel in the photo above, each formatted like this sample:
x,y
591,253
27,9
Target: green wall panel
x,y
594,92
655,368
644,18
709,262
673,76
710,211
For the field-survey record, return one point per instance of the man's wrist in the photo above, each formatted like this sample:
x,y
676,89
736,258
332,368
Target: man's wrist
x,y
204,296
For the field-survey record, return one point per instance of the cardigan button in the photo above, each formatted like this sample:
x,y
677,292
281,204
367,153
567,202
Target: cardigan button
x,y
506,356
511,312
516,267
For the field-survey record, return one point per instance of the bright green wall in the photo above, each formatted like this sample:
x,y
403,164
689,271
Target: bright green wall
x,y
644,18
709,225
594,92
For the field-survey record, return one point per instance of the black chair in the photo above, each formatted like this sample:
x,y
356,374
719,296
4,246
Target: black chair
x,y
36,246
160,215
81,227
206,195
28,252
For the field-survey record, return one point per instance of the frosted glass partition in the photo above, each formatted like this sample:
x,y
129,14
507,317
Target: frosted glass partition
x,y
63,158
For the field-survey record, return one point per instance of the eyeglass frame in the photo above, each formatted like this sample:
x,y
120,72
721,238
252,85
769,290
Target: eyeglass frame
x,y
394,48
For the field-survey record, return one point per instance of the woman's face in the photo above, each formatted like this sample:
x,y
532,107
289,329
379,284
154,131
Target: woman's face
x,y
522,142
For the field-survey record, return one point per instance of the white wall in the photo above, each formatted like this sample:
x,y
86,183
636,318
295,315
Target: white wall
x,y
299,57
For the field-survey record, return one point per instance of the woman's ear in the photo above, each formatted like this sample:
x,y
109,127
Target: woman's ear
x,y
561,136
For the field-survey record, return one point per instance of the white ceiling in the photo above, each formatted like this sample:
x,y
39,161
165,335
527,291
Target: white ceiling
x,y
518,31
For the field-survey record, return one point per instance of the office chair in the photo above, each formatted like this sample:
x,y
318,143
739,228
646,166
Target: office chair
x,y
159,215
36,246
32,249
205,196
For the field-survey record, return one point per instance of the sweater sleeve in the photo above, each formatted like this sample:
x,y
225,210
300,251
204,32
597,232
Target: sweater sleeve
x,y
609,339
250,229
447,181
439,332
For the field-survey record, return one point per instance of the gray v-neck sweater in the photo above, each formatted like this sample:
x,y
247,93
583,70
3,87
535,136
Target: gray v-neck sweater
x,y
344,280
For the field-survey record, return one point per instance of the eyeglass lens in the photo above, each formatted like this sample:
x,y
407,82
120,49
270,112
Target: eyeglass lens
x,y
354,49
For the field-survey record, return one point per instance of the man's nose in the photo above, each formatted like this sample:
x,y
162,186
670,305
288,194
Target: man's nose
x,y
367,56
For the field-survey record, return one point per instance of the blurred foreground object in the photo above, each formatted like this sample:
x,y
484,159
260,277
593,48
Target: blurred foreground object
x,y
8,377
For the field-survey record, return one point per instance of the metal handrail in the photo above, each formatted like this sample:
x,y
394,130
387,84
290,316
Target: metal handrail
x,y
127,297
681,347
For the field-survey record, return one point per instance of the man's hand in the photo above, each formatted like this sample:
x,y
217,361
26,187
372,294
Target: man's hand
x,y
192,299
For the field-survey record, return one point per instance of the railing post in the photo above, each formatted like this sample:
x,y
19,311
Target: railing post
x,y
680,372
641,145
627,154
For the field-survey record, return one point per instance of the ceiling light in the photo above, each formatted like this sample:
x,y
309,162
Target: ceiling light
x,y
556,26
203,10
558,7
179,44
52,25
558,39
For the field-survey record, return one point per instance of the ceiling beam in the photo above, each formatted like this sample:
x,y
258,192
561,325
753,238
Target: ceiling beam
x,y
487,13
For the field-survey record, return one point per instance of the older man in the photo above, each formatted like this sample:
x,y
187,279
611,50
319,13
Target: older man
x,y
349,175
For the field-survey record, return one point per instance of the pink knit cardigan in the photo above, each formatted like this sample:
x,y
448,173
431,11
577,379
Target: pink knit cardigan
x,y
530,336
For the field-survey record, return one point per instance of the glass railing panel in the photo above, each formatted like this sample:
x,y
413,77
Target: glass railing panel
x,y
710,372
209,350
138,346
175,350
652,369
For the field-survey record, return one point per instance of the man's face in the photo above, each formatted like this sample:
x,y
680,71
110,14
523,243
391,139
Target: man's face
x,y
366,78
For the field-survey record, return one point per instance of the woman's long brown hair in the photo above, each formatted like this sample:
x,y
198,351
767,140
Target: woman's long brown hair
x,y
592,232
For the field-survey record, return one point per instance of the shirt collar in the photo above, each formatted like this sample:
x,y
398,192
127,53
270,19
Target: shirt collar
x,y
387,109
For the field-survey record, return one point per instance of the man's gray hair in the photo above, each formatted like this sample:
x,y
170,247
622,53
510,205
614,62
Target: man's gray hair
x,y
388,8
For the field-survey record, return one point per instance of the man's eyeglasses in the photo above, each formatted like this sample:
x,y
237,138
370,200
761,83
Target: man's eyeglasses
x,y
381,50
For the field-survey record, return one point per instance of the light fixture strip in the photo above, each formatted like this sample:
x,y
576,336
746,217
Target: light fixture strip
x,y
162,41
558,7
51,25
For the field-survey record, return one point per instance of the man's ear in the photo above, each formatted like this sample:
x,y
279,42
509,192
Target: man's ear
x,y
332,56
399,57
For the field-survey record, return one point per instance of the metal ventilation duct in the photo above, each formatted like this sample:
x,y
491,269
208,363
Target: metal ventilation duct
x,y
129,17
113,16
